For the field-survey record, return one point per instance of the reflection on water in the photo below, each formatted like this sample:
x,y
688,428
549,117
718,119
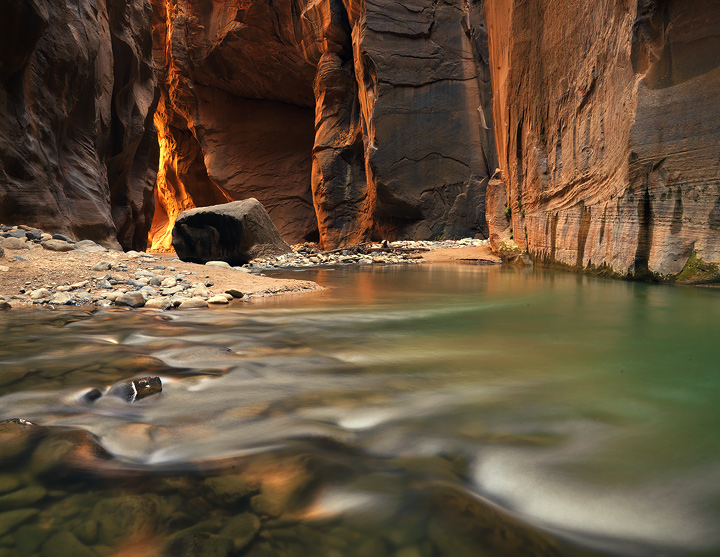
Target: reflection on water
x,y
424,411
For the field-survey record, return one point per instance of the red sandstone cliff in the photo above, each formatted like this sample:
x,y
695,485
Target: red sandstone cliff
x,y
78,151
608,132
359,119
347,120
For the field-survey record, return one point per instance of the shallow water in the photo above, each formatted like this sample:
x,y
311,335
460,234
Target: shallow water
x,y
434,410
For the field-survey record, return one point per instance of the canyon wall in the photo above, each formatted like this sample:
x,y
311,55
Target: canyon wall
x,y
78,150
608,134
348,120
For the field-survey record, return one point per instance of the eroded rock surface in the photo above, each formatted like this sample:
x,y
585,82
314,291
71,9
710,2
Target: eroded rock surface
x,y
607,131
346,120
234,233
78,151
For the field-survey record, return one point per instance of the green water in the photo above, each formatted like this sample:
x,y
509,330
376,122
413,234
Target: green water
x,y
434,410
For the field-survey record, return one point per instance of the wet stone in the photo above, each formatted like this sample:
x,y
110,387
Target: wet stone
x,y
30,537
91,396
200,543
8,483
228,490
234,293
26,497
87,532
218,300
137,389
16,437
125,518
241,529
12,519
64,451
65,544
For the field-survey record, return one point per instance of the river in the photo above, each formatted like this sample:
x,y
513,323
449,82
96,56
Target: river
x,y
416,411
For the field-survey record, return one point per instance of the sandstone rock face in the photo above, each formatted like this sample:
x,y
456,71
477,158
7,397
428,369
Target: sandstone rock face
x,y
348,120
234,232
607,128
78,148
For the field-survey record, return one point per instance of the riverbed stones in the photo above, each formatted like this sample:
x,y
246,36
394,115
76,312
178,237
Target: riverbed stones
x,y
218,300
235,293
126,517
17,436
40,293
130,299
159,303
102,266
15,243
200,543
12,519
193,303
58,245
241,529
62,299
22,498
62,451
228,490
65,544
234,232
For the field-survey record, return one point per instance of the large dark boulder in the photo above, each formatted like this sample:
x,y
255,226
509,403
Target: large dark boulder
x,y
234,232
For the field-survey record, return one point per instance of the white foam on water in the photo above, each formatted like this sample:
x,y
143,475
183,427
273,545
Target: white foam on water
x,y
663,513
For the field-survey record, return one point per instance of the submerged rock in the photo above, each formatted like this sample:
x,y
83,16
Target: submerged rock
x,y
17,436
241,529
200,543
228,490
12,519
65,544
126,517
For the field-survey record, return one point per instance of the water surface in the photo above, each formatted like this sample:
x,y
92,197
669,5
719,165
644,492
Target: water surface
x,y
564,414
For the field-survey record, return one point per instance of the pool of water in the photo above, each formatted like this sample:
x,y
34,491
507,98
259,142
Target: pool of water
x,y
419,411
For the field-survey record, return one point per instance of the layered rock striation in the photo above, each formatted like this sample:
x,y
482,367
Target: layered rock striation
x,y
608,130
348,120
78,149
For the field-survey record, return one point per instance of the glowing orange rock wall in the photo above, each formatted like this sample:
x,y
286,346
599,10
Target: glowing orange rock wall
x,y
347,120
607,131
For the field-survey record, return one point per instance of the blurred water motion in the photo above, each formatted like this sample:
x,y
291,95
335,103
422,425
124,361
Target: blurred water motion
x,y
411,405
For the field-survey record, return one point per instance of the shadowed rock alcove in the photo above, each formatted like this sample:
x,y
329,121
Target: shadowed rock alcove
x,y
236,115
347,120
